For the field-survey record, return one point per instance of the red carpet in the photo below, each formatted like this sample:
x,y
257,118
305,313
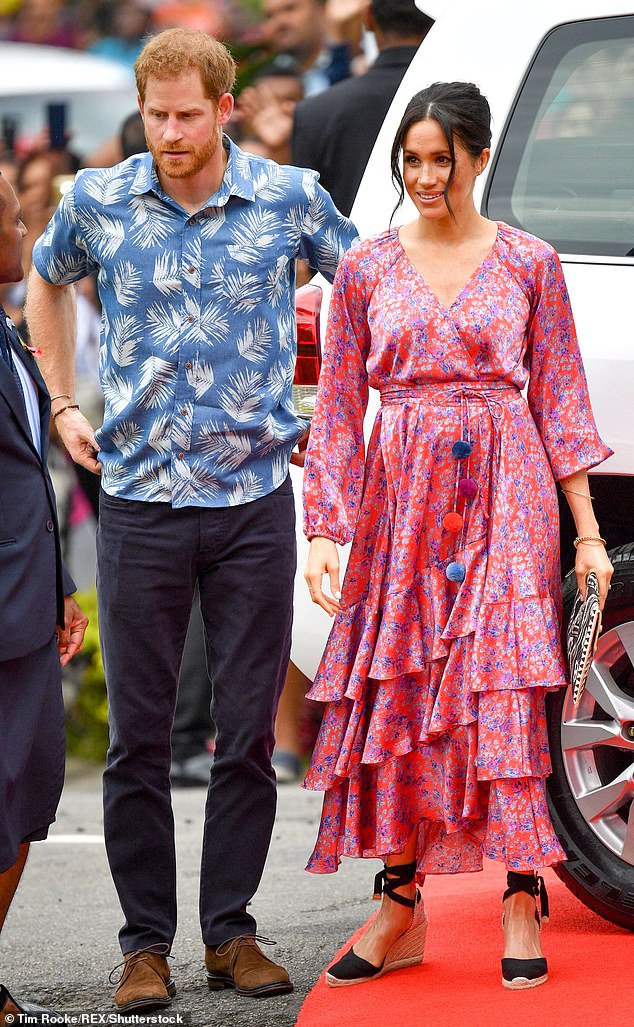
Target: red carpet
x,y
591,968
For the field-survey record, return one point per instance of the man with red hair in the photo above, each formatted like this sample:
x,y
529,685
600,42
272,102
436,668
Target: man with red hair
x,y
195,245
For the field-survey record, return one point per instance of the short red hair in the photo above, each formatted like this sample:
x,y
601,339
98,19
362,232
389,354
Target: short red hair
x,y
175,51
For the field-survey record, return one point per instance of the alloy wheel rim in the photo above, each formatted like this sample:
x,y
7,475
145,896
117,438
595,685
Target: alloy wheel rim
x,y
597,742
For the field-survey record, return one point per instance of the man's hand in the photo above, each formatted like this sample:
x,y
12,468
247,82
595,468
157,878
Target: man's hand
x,y
69,640
298,458
344,19
269,118
79,438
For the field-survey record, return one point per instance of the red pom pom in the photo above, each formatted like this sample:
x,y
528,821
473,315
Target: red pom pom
x,y
452,522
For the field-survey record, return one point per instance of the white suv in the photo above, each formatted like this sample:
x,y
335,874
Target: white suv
x,y
559,75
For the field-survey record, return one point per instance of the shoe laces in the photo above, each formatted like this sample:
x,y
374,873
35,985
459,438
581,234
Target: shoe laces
x,y
227,947
160,948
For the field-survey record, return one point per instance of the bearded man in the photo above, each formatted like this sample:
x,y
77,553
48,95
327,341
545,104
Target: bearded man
x,y
194,244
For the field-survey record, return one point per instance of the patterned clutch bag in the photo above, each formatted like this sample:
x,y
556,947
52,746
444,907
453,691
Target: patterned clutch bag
x,y
584,628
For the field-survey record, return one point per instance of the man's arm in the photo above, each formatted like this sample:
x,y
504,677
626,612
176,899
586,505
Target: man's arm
x,y
50,311
326,233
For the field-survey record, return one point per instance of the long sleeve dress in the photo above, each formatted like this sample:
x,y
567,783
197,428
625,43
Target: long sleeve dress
x,y
448,637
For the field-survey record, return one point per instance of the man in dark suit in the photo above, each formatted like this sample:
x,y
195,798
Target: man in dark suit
x,y
41,625
334,132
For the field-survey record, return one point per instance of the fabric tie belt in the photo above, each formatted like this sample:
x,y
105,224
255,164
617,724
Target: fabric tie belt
x,y
489,393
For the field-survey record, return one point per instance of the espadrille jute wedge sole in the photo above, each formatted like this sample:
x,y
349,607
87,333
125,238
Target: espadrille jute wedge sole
x,y
408,950
519,974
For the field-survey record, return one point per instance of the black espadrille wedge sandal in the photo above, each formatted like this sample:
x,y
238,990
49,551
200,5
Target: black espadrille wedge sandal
x,y
408,950
518,974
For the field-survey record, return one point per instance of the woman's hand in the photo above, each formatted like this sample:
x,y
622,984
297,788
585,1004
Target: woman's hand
x,y
592,556
323,558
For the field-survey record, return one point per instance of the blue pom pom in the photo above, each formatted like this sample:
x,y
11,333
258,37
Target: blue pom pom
x,y
456,571
461,449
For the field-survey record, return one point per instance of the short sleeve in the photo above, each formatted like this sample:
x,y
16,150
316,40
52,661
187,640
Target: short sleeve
x,y
60,255
558,394
334,468
326,233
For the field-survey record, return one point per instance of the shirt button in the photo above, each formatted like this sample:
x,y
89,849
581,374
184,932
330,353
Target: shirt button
x,y
188,364
191,270
183,411
190,318
181,456
192,221
50,526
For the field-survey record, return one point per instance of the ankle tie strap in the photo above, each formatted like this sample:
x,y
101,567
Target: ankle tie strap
x,y
390,878
533,885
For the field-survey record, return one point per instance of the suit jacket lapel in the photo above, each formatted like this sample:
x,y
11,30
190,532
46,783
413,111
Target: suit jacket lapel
x,y
11,391
43,396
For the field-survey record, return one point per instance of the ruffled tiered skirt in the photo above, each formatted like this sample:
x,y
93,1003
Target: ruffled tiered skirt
x,y
435,688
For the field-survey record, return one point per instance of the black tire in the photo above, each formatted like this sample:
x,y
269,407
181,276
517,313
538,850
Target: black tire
x,y
600,878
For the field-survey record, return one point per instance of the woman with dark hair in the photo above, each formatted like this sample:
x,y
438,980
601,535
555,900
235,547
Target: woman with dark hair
x,y
433,750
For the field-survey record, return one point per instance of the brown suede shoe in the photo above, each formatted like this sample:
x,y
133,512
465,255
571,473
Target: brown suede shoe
x,y
240,963
145,981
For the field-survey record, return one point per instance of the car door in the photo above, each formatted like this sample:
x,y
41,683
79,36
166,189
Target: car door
x,y
564,170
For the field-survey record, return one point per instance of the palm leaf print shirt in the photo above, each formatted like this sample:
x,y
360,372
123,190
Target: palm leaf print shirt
x,y
198,338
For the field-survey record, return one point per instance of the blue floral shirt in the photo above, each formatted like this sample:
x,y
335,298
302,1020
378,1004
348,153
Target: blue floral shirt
x,y
198,338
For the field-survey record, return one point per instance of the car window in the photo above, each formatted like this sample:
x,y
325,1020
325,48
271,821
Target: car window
x,y
564,169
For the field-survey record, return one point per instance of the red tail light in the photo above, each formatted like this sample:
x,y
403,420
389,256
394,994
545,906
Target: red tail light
x,y
307,307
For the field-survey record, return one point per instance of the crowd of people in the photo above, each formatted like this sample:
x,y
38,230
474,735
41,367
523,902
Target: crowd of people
x,y
433,749
117,28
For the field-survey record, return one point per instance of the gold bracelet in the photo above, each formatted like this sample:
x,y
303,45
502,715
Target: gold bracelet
x,y
62,395
574,493
589,538
69,406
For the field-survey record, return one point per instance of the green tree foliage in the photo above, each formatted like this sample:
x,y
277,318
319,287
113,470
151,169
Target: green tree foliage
x,y
86,703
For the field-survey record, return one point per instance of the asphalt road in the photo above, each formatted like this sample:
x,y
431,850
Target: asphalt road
x,y
60,940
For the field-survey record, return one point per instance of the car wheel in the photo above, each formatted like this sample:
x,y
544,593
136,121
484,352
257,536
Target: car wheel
x,y
591,789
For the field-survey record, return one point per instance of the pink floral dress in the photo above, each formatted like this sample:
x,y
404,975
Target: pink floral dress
x,y
448,637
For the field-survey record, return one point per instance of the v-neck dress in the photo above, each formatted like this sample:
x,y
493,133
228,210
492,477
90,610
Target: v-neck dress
x,y
435,687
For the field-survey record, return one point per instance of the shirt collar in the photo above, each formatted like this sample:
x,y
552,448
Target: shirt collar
x,y
239,178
